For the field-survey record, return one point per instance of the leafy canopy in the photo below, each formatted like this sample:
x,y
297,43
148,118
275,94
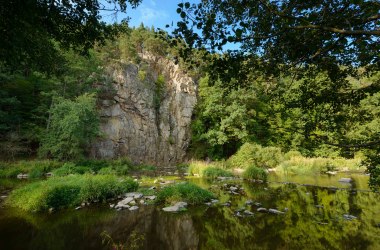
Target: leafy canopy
x,y
33,29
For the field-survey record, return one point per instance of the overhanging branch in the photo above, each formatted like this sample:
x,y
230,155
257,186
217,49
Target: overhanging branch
x,y
339,31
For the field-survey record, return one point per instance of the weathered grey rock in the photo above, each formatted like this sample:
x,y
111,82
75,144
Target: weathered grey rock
x,y
275,211
319,206
125,201
135,195
132,203
77,208
214,201
133,208
208,203
227,204
112,205
22,176
150,197
345,180
262,210
179,206
232,188
349,217
258,204
147,123
122,206
247,212
249,202
3,196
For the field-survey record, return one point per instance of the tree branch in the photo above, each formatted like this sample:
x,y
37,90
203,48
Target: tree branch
x,y
339,31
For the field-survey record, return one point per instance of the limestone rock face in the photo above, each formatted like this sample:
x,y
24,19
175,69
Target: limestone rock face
x,y
146,112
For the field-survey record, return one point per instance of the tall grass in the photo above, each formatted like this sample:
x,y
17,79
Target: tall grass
x,y
68,191
209,170
254,173
214,172
188,192
303,165
35,168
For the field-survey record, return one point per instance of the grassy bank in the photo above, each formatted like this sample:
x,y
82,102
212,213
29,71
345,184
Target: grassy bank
x,y
39,168
69,191
292,162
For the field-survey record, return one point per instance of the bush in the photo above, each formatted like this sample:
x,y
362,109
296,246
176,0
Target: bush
x,y
188,192
68,191
73,124
254,173
213,172
248,154
292,153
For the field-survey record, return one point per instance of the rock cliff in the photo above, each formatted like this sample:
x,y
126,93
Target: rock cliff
x,y
146,112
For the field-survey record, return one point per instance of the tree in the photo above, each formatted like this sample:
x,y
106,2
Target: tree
x,y
71,127
32,29
329,49
326,33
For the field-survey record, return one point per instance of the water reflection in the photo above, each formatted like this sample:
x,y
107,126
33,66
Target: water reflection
x,y
314,220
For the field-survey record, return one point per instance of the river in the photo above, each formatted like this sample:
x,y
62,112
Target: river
x,y
315,212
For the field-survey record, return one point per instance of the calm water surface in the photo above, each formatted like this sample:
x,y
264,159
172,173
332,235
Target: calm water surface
x,y
315,219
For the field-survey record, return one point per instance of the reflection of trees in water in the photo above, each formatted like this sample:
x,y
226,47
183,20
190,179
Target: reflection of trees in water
x,y
306,225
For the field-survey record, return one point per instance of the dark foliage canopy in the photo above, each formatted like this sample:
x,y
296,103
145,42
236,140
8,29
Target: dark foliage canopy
x,y
326,33
32,29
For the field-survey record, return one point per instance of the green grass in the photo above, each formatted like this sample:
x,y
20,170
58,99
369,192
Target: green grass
x,y
187,192
214,172
208,170
68,191
38,168
35,168
316,165
254,173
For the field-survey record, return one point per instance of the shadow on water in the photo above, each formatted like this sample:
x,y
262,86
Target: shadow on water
x,y
314,218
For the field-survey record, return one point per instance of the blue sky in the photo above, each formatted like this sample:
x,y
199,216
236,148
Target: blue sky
x,y
155,13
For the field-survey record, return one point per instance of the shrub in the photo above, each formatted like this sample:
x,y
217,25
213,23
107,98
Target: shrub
x,y
73,124
188,192
245,156
292,153
213,172
61,192
254,173
269,157
248,154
